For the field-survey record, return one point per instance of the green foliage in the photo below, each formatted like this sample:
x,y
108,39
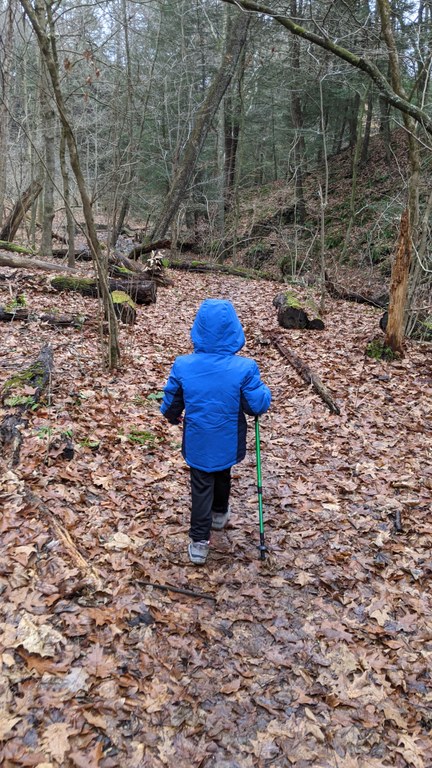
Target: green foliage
x,y
44,432
257,254
17,303
141,436
377,350
333,241
155,396
26,400
286,265
88,442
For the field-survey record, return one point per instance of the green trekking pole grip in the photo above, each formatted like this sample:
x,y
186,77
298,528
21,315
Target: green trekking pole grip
x,y
262,547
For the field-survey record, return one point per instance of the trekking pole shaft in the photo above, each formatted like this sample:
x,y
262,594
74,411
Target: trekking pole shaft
x,y
262,547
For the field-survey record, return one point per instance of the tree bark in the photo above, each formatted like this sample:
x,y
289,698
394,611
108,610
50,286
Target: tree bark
x,y
70,223
398,288
48,48
5,81
15,395
236,37
25,202
19,263
140,291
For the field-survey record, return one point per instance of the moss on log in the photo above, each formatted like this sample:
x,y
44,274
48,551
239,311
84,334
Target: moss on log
x,y
139,290
21,392
290,313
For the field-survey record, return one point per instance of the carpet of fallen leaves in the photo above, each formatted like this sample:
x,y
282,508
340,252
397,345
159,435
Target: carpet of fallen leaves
x,y
320,656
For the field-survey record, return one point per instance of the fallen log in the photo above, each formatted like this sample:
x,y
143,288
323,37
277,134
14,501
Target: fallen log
x,y
62,321
336,292
22,391
202,266
141,291
290,313
5,245
142,248
306,374
19,263
82,255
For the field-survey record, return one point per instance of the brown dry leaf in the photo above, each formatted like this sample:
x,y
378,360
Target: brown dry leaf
x,y
232,686
99,721
40,639
55,740
7,722
303,578
98,664
411,750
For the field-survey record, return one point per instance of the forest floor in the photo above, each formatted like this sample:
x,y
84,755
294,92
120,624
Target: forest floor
x,y
320,656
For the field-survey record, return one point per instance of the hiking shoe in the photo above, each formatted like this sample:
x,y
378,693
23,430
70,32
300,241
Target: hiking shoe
x,y
198,551
220,520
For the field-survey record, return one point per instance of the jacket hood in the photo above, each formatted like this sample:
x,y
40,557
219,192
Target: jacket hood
x,y
217,329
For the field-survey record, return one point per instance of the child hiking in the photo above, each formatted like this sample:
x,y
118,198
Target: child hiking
x,y
215,387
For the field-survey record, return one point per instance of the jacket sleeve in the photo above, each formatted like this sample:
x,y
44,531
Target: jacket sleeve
x,y
255,395
173,402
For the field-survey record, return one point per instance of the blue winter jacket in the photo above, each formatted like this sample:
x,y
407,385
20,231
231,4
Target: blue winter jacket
x,y
215,387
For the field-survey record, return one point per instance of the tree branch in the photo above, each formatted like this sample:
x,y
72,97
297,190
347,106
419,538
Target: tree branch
x,y
360,62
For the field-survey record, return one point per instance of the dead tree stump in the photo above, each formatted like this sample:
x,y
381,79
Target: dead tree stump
x,y
290,314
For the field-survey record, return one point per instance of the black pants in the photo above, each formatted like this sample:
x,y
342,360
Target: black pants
x,y
210,493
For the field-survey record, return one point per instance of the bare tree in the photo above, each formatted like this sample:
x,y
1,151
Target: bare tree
x,y
237,28
49,52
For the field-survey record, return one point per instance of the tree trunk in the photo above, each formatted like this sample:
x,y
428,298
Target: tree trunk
x,y
19,210
48,48
398,288
70,223
47,117
235,40
7,37
367,133
297,120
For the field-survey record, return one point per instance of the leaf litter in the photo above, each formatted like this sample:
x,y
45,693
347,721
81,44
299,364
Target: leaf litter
x,y
318,657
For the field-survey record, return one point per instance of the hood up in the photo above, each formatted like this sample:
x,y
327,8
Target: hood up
x,y
217,329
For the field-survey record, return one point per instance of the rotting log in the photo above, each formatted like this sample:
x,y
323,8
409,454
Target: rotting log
x,y
337,292
140,291
13,221
82,255
290,313
22,391
20,263
5,245
306,374
55,320
123,268
124,307
142,248
225,269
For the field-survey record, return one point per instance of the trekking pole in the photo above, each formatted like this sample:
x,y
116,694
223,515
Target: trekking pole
x,y
262,547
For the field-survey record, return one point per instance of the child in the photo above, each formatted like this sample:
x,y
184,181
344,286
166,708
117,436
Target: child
x,y
215,387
